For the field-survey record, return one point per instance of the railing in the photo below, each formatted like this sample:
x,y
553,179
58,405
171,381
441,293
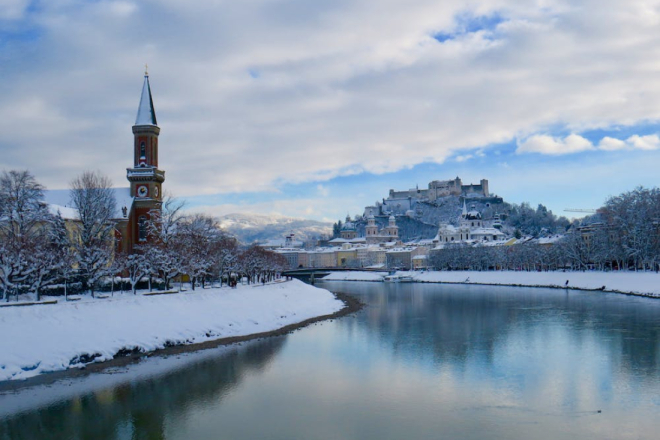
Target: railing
x,y
144,172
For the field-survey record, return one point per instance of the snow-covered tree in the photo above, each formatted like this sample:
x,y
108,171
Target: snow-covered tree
x,y
24,225
164,249
136,265
197,235
92,196
226,256
634,218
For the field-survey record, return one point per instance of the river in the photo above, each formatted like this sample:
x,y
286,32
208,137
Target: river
x,y
420,361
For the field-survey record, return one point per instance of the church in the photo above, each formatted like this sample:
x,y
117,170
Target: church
x,y
145,195
143,199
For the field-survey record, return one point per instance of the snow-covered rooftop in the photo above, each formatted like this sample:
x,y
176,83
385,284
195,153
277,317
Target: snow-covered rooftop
x,y
60,199
146,114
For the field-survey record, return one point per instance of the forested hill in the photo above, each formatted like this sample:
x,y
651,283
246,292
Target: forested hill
x,y
520,219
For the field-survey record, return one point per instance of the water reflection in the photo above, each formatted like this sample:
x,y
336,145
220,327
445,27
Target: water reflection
x,y
140,409
458,323
420,361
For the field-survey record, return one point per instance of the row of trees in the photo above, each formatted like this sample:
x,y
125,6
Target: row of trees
x,y
624,234
38,250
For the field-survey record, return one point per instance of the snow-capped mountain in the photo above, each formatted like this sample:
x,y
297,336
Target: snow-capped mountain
x,y
249,228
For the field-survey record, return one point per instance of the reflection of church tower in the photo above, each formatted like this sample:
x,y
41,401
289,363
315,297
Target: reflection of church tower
x,y
145,177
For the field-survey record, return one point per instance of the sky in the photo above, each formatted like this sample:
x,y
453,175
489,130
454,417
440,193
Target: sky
x,y
315,109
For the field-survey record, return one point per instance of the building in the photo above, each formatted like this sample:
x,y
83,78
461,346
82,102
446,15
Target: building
x,y
405,202
348,231
146,180
471,228
373,235
142,200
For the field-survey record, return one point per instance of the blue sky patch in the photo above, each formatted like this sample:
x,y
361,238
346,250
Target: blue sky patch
x,y
467,23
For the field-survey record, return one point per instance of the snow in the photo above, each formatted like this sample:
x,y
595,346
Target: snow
x,y
355,276
146,114
65,211
59,199
638,283
43,338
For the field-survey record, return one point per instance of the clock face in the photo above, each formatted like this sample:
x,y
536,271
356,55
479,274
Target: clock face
x,y
142,191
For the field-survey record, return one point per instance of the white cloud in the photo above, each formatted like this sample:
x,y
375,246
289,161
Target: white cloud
x,y
634,142
323,190
333,97
550,145
611,144
13,9
651,142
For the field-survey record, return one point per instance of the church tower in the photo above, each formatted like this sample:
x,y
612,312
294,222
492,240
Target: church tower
x,y
145,177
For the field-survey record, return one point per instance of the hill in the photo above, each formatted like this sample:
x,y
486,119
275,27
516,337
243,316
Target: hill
x,y
249,228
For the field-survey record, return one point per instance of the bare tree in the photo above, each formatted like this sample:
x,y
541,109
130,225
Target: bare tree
x,y
163,250
24,223
92,196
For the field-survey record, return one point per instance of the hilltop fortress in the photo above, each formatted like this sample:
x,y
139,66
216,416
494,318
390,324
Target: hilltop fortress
x,y
410,202
443,188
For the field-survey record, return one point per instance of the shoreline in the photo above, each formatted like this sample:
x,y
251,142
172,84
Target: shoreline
x,y
544,286
351,305
434,277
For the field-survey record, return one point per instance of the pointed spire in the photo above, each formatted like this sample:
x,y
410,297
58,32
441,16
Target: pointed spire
x,y
464,209
146,114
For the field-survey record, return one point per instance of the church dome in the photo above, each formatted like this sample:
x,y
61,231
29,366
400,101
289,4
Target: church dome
x,y
348,226
473,214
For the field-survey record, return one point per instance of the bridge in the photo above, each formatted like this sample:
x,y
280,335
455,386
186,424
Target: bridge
x,y
309,274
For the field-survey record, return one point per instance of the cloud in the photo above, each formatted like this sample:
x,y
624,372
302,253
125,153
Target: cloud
x,y
323,190
651,142
251,95
611,144
634,142
555,146
13,9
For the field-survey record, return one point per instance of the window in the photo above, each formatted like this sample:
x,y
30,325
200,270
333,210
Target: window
x,y
142,228
143,151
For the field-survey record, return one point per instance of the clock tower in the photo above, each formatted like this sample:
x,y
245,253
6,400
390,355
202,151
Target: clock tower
x,y
145,177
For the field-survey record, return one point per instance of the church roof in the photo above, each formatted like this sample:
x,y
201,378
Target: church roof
x,y
146,114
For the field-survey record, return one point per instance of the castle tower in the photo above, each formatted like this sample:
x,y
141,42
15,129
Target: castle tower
x,y
145,177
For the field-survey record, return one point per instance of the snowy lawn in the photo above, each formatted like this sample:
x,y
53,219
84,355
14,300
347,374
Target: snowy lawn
x,y
42,338
640,283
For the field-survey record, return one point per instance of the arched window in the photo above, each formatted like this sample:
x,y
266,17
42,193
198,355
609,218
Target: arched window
x,y
143,151
142,228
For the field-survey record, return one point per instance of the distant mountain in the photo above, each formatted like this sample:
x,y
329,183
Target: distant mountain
x,y
249,228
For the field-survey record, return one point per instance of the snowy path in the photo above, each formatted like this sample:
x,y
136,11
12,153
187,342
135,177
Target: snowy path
x,y
38,339
638,283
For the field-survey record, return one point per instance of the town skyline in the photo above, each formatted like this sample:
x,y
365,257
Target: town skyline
x,y
296,109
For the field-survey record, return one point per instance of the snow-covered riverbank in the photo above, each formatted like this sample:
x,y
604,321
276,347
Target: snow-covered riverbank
x,y
43,338
635,283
